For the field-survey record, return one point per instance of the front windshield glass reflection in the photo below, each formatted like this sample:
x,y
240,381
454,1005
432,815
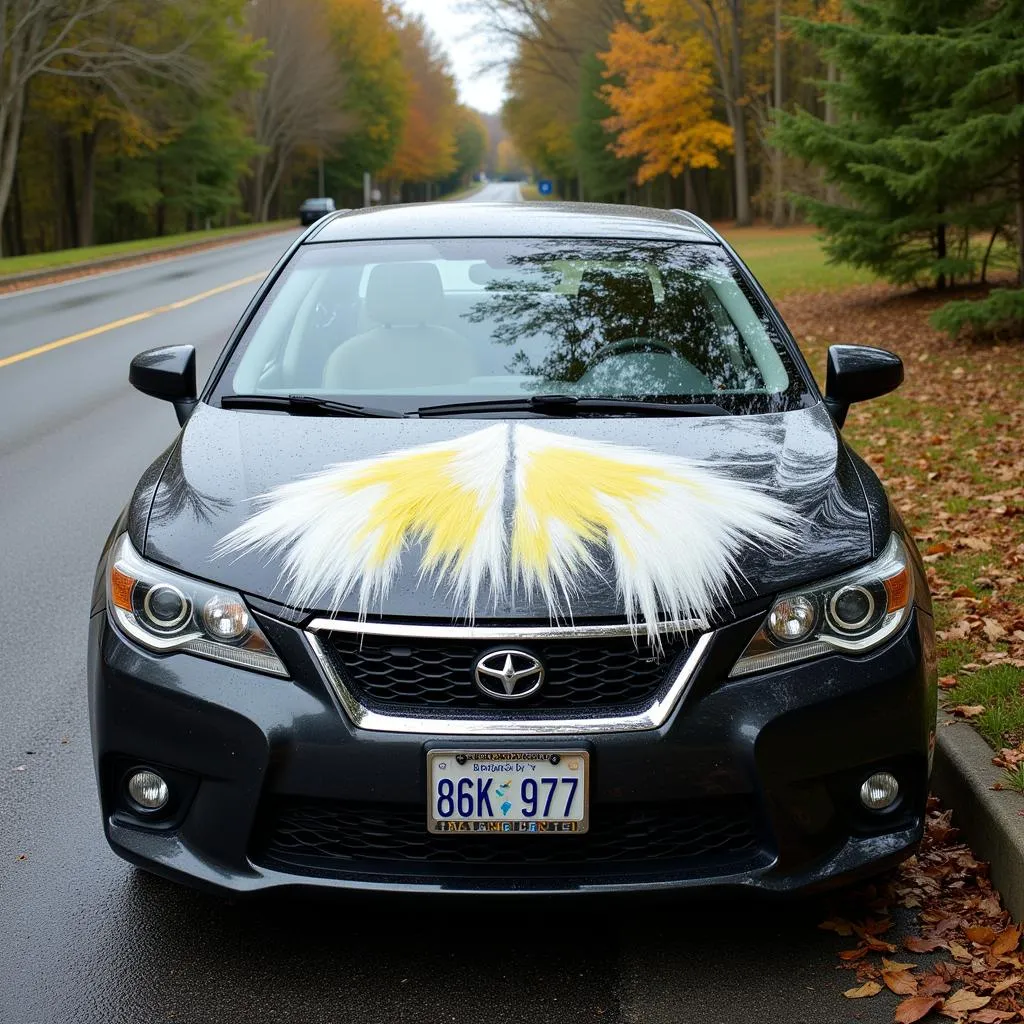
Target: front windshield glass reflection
x,y
415,323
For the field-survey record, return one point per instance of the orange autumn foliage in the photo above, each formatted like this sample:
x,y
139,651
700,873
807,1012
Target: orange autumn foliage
x,y
426,151
664,104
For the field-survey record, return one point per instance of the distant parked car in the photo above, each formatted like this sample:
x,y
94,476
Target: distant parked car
x,y
313,209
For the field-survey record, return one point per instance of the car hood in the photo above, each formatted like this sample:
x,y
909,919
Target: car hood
x,y
225,460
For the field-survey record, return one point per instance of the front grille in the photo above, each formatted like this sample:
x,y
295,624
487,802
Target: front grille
x,y
354,838
393,674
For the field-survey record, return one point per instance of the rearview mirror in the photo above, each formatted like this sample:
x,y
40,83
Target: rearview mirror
x,y
857,373
168,373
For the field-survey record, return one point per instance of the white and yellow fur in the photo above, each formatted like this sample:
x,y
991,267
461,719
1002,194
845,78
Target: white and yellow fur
x,y
672,527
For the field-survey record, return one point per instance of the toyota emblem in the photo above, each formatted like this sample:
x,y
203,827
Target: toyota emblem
x,y
508,675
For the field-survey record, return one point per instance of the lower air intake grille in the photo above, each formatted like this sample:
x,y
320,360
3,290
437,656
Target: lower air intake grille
x,y
351,838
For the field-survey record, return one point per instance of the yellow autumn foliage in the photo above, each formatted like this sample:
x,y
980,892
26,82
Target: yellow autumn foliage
x,y
664,106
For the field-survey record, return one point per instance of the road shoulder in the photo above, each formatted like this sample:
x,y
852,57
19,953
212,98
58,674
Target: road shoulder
x,y
89,268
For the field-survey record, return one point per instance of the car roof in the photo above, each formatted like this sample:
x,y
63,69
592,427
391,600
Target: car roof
x,y
511,220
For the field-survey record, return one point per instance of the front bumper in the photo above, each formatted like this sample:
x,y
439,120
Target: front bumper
x,y
759,776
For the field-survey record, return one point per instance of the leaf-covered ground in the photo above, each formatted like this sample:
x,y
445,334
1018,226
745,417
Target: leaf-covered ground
x,y
962,962
949,446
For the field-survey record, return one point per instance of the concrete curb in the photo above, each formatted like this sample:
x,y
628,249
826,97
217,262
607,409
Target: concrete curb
x,y
992,821
128,258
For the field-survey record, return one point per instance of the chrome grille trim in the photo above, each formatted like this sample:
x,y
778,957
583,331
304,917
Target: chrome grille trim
x,y
652,717
427,631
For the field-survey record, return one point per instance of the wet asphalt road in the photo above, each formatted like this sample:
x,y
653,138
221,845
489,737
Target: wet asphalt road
x,y
86,938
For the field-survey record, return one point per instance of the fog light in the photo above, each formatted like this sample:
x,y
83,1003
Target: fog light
x,y
148,790
879,791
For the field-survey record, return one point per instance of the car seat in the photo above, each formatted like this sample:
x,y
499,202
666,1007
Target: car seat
x,y
408,347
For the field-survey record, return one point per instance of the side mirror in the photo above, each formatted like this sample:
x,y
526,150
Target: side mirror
x,y
167,373
857,373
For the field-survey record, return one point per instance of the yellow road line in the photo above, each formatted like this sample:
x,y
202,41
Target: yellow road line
x,y
113,326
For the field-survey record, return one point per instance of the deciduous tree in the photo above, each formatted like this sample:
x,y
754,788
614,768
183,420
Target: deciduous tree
x,y
368,53
471,143
734,34
78,39
547,43
299,101
663,110
426,151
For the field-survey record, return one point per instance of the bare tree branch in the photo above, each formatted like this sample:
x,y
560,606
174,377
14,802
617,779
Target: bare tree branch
x,y
299,101
74,39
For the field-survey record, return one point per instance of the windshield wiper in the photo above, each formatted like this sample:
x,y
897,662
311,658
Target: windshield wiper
x,y
304,405
570,405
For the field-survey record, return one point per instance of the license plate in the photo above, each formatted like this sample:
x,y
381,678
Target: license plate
x,y
540,792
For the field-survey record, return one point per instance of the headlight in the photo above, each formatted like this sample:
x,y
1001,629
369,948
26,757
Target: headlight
x,y
853,613
163,611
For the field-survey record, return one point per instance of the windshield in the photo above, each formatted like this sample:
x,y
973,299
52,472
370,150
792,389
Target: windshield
x,y
405,324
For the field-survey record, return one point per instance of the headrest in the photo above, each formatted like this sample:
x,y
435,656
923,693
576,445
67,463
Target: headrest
x,y
405,293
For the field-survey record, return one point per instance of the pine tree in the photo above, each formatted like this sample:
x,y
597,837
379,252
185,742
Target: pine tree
x,y
606,177
909,207
986,120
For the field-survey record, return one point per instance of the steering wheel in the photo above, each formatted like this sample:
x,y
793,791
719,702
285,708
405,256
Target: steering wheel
x,y
624,346
323,316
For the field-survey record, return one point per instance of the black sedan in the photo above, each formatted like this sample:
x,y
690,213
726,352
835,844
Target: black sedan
x,y
313,209
512,549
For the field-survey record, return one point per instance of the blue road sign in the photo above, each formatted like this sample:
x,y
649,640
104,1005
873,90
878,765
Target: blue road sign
x,y
545,187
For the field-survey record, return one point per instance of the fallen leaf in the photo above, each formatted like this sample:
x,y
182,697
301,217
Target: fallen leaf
x,y
892,965
932,985
879,945
913,1009
903,983
1007,941
869,988
947,682
877,926
977,543
853,954
837,925
1014,979
960,952
916,944
989,1016
993,630
981,934
969,710
991,906
963,1001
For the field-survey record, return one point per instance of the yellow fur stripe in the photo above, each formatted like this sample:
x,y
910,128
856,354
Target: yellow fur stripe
x,y
420,499
562,486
